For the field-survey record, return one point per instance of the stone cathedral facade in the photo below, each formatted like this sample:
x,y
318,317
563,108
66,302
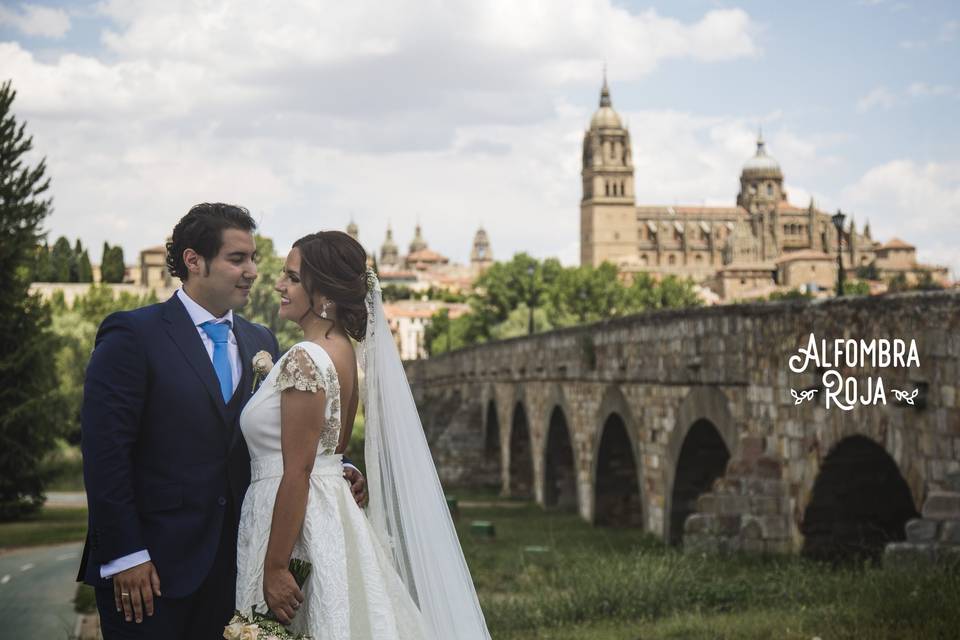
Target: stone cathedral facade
x,y
757,245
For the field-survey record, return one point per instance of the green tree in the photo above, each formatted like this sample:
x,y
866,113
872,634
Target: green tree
x,y
62,261
112,267
264,303
42,269
586,294
518,323
868,271
392,292
856,288
898,283
84,268
75,328
925,282
30,410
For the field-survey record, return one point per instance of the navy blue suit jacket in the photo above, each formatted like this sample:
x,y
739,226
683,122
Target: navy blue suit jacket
x,y
162,457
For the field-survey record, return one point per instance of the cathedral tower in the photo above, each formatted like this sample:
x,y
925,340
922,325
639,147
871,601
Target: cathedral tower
x,y
418,243
761,193
608,215
761,182
481,256
389,253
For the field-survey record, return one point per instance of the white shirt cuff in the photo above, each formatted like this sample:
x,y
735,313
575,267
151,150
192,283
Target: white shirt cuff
x,y
114,567
347,464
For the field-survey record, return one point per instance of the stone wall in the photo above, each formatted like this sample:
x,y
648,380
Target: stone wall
x,y
724,367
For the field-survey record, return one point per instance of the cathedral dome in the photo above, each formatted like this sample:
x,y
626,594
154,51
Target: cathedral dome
x,y
605,117
762,165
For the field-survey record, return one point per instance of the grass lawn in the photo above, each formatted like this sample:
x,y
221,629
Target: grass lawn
x,y
613,584
49,526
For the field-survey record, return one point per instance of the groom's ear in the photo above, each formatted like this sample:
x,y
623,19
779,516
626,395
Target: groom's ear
x,y
194,262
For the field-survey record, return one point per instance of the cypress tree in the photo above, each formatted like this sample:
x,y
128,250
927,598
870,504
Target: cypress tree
x,y
84,268
112,268
61,257
30,404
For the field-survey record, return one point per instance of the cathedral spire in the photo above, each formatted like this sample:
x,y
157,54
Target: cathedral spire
x,y
605,90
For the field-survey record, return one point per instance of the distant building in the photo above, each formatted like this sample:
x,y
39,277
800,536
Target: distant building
x,y
761,244
409,320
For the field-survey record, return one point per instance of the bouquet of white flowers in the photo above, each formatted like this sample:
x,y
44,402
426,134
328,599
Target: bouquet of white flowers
x,y
265,626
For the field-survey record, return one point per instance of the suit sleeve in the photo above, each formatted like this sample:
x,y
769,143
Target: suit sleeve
x,y
113,398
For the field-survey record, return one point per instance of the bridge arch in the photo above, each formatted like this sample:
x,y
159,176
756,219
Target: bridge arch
x,y
520,483
559,464
705,433
618,490
860,502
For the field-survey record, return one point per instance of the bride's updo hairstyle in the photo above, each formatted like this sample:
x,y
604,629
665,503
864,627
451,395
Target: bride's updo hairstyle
x,y
334,265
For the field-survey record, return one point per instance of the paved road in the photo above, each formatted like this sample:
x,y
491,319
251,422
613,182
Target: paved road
x,y
36,592
66,499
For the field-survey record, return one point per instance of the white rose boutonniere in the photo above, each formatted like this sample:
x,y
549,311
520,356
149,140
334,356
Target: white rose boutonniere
x,y
262,363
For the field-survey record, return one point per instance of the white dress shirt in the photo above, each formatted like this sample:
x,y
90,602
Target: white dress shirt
x,y
198,315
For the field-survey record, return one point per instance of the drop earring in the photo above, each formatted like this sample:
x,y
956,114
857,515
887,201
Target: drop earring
x,y
323,311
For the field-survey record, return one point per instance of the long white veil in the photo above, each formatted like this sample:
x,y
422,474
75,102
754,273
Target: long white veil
x,y
408,509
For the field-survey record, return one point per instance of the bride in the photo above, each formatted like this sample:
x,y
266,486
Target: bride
x,y
396,572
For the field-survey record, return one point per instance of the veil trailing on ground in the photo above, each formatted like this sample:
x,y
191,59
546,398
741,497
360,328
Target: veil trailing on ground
x,y
408,509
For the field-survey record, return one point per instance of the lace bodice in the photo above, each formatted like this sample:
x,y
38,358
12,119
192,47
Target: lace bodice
x,y
305,367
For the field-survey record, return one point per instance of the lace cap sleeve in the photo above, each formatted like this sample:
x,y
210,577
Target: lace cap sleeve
x,y
298,370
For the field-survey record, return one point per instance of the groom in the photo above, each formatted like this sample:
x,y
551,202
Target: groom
x,y
165,465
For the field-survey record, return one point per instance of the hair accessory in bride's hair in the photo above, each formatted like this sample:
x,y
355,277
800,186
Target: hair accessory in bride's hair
x,y
373,290
373,282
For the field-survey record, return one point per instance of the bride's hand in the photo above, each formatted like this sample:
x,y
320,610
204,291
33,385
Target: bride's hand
x,y
282,594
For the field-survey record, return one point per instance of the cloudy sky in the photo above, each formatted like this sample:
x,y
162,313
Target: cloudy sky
x,y
457,114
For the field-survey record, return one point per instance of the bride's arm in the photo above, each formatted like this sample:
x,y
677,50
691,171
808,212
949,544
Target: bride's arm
x,y
301,415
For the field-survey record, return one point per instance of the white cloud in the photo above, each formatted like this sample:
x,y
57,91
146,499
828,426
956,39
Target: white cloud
x,y
309,113
924,90
36,20
949,31
881,98
917,202
884,98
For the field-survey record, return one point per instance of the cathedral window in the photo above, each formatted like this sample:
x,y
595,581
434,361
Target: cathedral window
x,y
672,260
769,188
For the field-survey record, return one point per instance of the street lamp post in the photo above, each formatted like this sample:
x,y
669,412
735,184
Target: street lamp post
x,y
530,272
838,219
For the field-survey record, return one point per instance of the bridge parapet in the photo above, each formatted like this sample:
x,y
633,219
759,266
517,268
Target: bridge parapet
x,y
661,394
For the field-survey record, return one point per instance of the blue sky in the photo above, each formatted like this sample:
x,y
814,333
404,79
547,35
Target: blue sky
x,y
461,114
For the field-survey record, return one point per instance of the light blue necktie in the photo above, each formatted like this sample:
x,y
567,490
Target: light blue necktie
x,y
219,332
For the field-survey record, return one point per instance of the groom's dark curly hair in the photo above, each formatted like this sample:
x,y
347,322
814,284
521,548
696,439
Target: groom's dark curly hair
x,y
202,230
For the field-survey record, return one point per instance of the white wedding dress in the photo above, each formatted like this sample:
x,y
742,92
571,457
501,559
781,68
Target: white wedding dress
x,y
354,590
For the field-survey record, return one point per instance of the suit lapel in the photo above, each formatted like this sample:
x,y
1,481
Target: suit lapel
x,y
184,335
245,349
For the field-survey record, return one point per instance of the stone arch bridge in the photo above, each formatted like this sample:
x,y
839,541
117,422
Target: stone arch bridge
x,y
685,424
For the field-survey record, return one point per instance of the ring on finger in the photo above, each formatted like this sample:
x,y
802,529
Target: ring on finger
x,y
124,594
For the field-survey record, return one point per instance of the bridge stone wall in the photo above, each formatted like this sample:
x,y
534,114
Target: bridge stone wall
x,y
710,382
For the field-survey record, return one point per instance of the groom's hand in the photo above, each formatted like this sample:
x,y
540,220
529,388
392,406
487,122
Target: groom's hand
x,y
358,486
134,589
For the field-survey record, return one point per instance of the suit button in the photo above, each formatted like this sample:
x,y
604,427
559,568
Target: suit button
x,y
222,501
